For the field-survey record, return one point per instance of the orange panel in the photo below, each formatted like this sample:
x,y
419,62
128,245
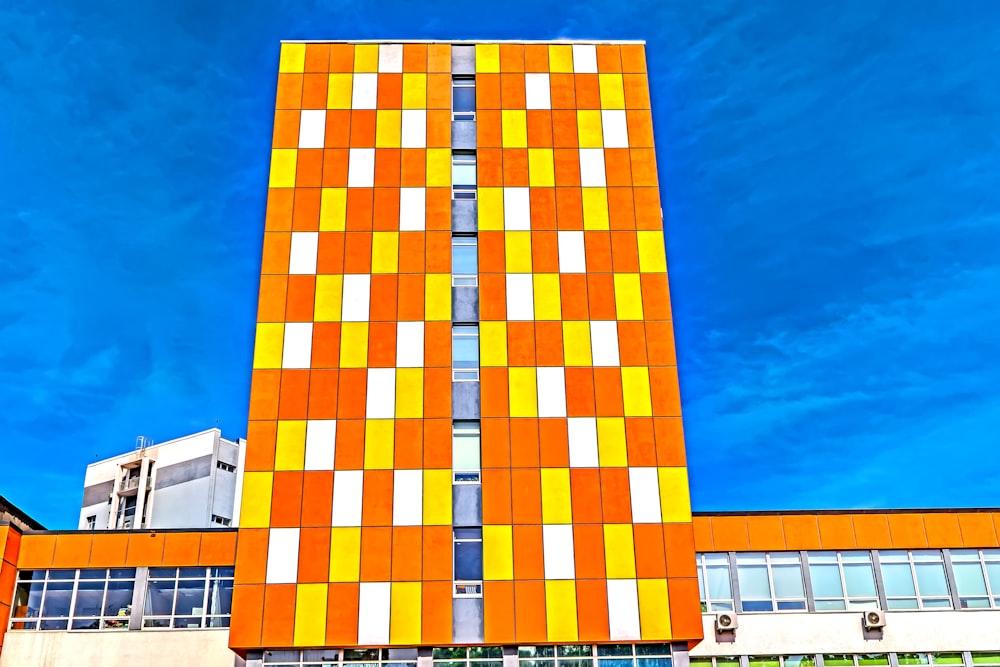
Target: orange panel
x,y
942,529
341,57
544,249
289,91
376,543
385,208
529,610
703,541
271,299
488,132
279,207
647,209
326,349
580,395
248,612
836,531
729,533
437,443
659,342
588,548
275,255
360,206
438,252
669,441
36,552
439,130
872,531
655,296
526,504
382,341
390,91
636,91
293,400
286,130
678,544
308,170
413,167
437,392
592,611
539,128
437,555
314,90
415,58
387,170
439,60
524,447
260,445
411,252
512,90
977,529
650,561
621,209
437,346
408,447
554,443
407,543
376,507
765,533
617,168
625,252
286,500
511,60
351,393
685,619
349,452
609,59
665,391
317,58
182,549
363,128
632,344
601,296
72,550
411,298
490,166
585,485
527,543
588,92
305,212
536,58
335,163
598,247
330,253
801,532
488,91
342,614
317,489
358,252
573,296
569,209
563,93
515,167
521,343
907,531
491,252
640,440
615,496
643,167
314,555
493,389
498,612
496,496
549,343
338,132
264,386
495,443
109,550
439,92
218,548
640,128
145,549
323,390
565,135
435,610
542,204
608,390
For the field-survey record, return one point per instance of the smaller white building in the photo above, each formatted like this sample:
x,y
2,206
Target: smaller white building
x,y
189,482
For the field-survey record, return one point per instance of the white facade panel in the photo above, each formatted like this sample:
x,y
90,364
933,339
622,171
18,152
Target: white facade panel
x,y
557,546
282,556
321,443
623,609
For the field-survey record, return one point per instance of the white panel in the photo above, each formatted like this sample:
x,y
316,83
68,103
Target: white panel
x,y
412,209
361,168
520,297
407,497
321,440
516,209
390,57
312,128
551,391
645,491
591,168
582,433
557,545
282,556
623,609
302,254
347,493
585,59
297,351
373,613
572,253
415,128
381,394
357,295
615,128
537,93
604,343
365,93
409,344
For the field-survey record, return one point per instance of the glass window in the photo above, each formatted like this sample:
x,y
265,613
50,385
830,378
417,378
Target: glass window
x,y
977,577
188,597
770,581
463,97
73,599
986,658
914,579
714,582
463,174
842,580
465,351
468,561
464,261
465,451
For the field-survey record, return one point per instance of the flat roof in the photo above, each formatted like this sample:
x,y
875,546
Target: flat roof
x,y
463,41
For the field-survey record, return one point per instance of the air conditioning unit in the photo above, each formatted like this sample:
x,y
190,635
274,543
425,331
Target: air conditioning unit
x,y
873,619
726,621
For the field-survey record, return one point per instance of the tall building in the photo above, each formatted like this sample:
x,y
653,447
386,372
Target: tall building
x,y
187,482
465,446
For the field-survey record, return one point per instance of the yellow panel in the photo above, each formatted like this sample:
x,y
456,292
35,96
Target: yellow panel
x,y
345,554
366,58
654,609
611,450
414,91
541,168
438,167
652,258
490,209
290,448
409,393
628,296
619,551
340,91
385,252
437,297
310,615
329,290
255,509
576,343
517,249
498,553
388,127
268,345
379,435
492,343
560,611
546,296
514,124
354,345
283,168
561,58
675,498
523,392
612,91
556,506
437,497
333,210
595,209
635,391
404,613
487,58
292,59
588,127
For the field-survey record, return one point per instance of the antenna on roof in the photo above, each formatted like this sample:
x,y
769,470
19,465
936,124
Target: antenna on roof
x,y
142,442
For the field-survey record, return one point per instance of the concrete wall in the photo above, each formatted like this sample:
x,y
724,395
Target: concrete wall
x,y
841,632
183,505
208,648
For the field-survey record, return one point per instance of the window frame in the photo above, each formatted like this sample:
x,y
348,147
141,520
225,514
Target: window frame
x,y
462,81
464,279
983,558
464,330
710,604
457,432
770,582
209,575
466,588
920,598
104,621
464,191
845,597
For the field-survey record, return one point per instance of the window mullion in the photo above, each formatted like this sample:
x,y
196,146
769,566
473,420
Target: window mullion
x,y
879,581
734,582
949,573
807,581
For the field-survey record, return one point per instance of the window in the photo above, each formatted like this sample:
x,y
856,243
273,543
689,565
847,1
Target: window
x,y
73,599
221,520
91,522
188,597
367,657
842,580
862,660
990,659
465,452
977,576
714,583
782,660
914,579
770,581
465,352
468,566
463,97
463,175
929,659
727,661
464,261
475,656
607,655
228,467
126,513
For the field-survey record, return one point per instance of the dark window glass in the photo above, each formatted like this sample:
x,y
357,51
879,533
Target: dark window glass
x,y
468,561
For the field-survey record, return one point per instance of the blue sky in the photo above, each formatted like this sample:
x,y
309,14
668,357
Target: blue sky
x,y
829,175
